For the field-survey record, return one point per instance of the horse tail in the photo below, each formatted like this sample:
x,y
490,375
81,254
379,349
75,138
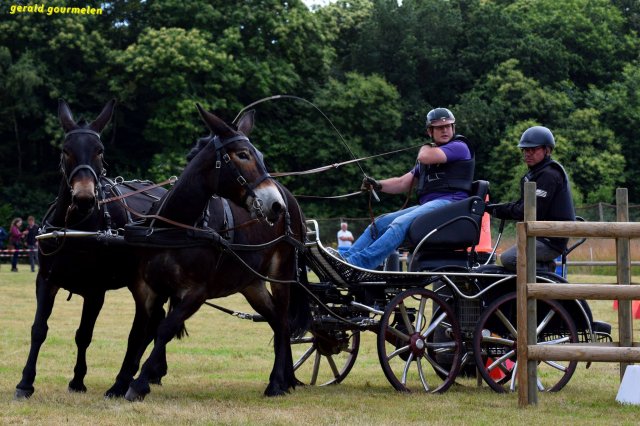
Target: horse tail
x,y
299,307
182,332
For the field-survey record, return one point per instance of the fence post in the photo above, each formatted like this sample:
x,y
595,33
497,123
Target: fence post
x,y
600,212
527,315
623,260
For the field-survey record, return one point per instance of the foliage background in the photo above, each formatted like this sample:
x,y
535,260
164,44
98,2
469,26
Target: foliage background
x,y
372,66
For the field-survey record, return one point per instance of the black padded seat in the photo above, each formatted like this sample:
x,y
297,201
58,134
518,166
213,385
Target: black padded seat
x,y
457,225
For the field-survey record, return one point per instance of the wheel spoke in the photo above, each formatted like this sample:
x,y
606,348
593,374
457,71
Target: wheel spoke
x,y
435,365
498,340
500,362
332,364
405,318
558,341
405,371
399,334
506,323
514,377
316,368
543,324
434,324
423,380
420,318
555,365
304,357
397,352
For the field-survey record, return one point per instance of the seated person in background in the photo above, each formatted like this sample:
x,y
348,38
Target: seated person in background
x,y
443,173
553,196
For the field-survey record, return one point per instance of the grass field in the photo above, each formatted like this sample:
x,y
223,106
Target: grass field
x,y
217,376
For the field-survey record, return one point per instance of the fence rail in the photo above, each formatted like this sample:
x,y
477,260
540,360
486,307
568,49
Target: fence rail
x,y
528,352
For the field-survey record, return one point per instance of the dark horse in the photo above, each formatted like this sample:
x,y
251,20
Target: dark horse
x,y
203,265
86,266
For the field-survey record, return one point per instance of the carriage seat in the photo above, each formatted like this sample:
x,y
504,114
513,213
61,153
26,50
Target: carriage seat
x,y
455,226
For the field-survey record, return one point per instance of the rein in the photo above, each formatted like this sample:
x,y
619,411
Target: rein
x,y
336,165
172,180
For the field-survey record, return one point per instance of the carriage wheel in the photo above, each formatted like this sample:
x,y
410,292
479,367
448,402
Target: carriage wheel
x,y
495,343
405,342
324,358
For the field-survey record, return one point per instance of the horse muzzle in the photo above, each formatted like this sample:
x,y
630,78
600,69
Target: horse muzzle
x,y
83,195
267,204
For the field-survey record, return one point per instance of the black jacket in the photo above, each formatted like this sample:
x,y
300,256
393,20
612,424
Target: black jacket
x,y
553,199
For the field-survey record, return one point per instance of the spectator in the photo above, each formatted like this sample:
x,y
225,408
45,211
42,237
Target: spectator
x,y
15,242
32,244
345,238
3,238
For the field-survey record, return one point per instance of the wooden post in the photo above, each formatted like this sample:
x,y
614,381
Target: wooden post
x,y
623,260
527,317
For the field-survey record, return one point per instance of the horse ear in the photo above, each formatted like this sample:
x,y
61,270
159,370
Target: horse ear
x,y
103,119
65,117
245,125
215,124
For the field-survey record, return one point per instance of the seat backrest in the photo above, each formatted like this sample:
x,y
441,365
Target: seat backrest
x,y
480,188
458,224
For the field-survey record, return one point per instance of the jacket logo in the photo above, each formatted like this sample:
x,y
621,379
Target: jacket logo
x,y
541,193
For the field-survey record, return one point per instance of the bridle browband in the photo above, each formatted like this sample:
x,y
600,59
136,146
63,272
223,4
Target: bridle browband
x,y
220,145
69,176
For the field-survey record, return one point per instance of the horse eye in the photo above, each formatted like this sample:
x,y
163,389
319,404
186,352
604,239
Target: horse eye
x,y
243,155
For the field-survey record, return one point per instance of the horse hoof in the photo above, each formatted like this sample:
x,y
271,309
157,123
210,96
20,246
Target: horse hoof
x,y
137,390
271,391
77,388
133,396
22,394
156,381
115,391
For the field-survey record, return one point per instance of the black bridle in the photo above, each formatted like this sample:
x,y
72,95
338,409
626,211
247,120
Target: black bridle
x,y
222,156
69,176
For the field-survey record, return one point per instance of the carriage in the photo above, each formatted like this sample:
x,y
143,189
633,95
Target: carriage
x,y
447,317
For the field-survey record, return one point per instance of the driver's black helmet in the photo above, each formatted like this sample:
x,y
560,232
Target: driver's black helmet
x,y
537,136
440,117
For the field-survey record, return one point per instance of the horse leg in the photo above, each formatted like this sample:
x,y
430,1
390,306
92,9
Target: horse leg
x,y
90,310
274,309
169,327
45,297
161,365
142,332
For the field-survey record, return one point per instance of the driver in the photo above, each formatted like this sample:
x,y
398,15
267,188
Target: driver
x,y
443,174
553,196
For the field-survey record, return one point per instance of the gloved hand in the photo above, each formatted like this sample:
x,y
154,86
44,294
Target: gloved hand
x,y
368,183
491,208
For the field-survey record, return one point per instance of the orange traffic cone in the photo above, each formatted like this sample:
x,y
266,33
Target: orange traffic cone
x,y
497,374
484,245
635,308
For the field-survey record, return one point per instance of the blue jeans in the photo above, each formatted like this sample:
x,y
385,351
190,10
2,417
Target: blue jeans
x,y
343,250
368,252
33,257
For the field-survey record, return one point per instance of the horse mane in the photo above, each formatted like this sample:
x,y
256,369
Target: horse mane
x,y
200,144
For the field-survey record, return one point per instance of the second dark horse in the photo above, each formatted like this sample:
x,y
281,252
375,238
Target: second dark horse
x,y
197,264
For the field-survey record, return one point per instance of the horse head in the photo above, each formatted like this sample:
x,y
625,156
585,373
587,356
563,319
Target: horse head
x,y
81,161
245,179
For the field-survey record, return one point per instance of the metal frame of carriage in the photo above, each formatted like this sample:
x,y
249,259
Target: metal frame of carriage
x,y
448,317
